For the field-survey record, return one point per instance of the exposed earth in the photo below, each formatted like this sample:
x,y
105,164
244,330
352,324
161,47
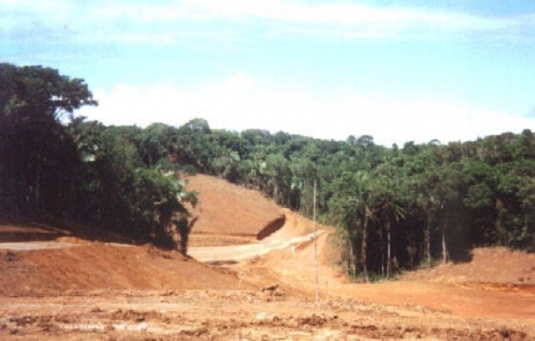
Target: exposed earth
x,y
250,277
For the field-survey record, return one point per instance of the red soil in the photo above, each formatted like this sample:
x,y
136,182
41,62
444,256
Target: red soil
x,y
488,265
100,290
230,210
102,266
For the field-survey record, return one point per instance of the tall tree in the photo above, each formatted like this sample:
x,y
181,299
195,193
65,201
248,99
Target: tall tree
x,y
390,210
34,148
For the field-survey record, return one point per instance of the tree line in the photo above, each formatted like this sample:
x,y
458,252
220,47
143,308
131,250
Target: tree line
x,y
54,166
397,207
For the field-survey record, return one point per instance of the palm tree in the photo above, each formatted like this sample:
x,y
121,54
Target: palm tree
x,y
388,207
366,211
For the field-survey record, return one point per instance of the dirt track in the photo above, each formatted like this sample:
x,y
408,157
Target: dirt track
x,y
289,261
258,291
405,309
288,237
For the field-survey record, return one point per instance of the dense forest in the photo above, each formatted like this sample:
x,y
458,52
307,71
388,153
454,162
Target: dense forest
x,y
396,207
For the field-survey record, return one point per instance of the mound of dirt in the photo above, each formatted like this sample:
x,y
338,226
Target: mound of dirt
x,y
227,209
101,266
22,233
40,259
25,232
488,265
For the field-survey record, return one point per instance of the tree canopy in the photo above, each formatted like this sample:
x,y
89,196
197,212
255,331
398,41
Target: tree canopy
x,y
55,166
395,207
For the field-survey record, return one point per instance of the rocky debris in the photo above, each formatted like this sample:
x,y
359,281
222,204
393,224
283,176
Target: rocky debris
x,y
270,288
272,292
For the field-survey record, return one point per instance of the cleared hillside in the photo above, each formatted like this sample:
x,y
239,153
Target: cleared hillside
x,y
498,266
103,266
59,284
231,213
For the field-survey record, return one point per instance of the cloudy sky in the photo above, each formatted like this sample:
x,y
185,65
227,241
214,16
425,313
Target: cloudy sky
x,y
400,71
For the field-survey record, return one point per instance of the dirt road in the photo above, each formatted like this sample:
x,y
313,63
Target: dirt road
x,y
288,237
35,245
290,261
259,291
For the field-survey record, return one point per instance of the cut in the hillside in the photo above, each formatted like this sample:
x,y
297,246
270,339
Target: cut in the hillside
x,y
103,266
31,232
232,211
488,265
72,286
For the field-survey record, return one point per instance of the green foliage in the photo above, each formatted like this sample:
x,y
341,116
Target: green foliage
x,y
37,155
35,92
55,166
395,207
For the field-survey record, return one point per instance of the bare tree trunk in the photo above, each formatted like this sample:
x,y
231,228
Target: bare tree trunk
x,y
383,262
37,193
275,193
389,251
352,259
428,242
363,251
499,219
444,246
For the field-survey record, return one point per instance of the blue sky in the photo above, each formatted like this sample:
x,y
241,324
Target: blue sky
x,y
397,70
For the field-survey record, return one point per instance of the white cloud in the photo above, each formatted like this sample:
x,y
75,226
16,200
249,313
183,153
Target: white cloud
x,y
134,21
240,102
144,13
363,19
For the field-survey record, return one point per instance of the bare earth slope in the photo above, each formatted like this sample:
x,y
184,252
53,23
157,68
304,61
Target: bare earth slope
x,y
103,266
63,287
230,214
497,266
501,300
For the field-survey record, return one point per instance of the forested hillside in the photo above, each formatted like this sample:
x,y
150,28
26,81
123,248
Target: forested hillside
x,y
396,207
77,171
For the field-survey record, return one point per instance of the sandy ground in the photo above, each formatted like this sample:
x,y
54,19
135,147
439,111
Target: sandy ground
x,y
246,289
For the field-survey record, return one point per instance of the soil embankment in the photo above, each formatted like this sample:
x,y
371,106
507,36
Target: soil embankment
x,y
226,209
63,285
104,266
